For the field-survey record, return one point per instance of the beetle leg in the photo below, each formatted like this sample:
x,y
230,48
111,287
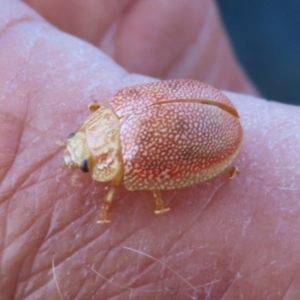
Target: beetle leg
x,y
232,171
159,204
93,106
106,205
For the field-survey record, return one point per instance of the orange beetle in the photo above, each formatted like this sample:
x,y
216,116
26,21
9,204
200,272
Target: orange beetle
x,y
157,136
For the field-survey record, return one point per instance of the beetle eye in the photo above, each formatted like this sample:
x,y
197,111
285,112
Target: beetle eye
x,y
84,166
71,135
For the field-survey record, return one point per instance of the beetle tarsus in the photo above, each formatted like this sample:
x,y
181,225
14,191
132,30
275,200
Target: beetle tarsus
x,y
103,216
159,204
103,220
161,210
232,171
106,205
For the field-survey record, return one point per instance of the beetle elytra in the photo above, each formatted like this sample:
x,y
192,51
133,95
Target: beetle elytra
x,y
157,136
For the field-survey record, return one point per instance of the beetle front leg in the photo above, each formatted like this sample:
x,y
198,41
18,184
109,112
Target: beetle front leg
x,y
159,204
93,106
106,205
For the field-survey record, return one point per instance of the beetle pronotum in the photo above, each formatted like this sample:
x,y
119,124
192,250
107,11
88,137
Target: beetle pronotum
x,y
157,136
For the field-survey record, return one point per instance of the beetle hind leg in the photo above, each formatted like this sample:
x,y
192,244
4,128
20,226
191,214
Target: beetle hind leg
x,y
232,171
159,204
106,205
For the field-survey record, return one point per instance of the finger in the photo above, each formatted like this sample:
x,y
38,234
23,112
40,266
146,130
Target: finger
x,y
169,39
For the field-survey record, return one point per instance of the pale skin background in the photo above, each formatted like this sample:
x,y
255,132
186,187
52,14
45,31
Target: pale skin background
x,y
224,239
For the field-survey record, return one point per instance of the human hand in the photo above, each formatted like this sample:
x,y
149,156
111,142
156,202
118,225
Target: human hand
x,y
232,239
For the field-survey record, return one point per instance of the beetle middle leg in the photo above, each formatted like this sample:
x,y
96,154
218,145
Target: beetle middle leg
x,y
232,171
159,204
106,205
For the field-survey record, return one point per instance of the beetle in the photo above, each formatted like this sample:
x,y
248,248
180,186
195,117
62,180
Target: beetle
x,y
157,136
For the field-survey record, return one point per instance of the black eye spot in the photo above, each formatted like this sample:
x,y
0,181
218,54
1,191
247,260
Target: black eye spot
x,y
71,135
84,166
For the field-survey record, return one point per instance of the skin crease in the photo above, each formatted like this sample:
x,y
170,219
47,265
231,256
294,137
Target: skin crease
x,y
224,239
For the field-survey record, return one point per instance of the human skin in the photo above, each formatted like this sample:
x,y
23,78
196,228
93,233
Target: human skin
x,y
224,239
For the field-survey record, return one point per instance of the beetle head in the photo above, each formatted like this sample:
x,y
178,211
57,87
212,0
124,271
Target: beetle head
x,y
77,153
96,147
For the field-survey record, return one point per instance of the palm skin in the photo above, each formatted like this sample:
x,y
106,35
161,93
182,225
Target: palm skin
x,y
224,239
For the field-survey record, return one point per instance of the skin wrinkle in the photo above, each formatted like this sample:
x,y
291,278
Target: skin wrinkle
x,y
230,284
213,195
32,294
14,22
166,291
3,241
17,280
232,281
19,138
215,67
244,229
130,234
25,232
179,58
228,288
75,251
167,268
108,281
136,290
238,74
101,33
206,30
46,267
132,18
10,203
79,289
21,267
220,63
285,293
182,235
106,253
23,66
22,179
33,278
46,179
134,278
77,13
205,38
26,282
107,42
201,38
53,233
152,265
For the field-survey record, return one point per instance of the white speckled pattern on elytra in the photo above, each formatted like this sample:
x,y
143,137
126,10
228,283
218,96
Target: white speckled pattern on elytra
x,y
167,145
